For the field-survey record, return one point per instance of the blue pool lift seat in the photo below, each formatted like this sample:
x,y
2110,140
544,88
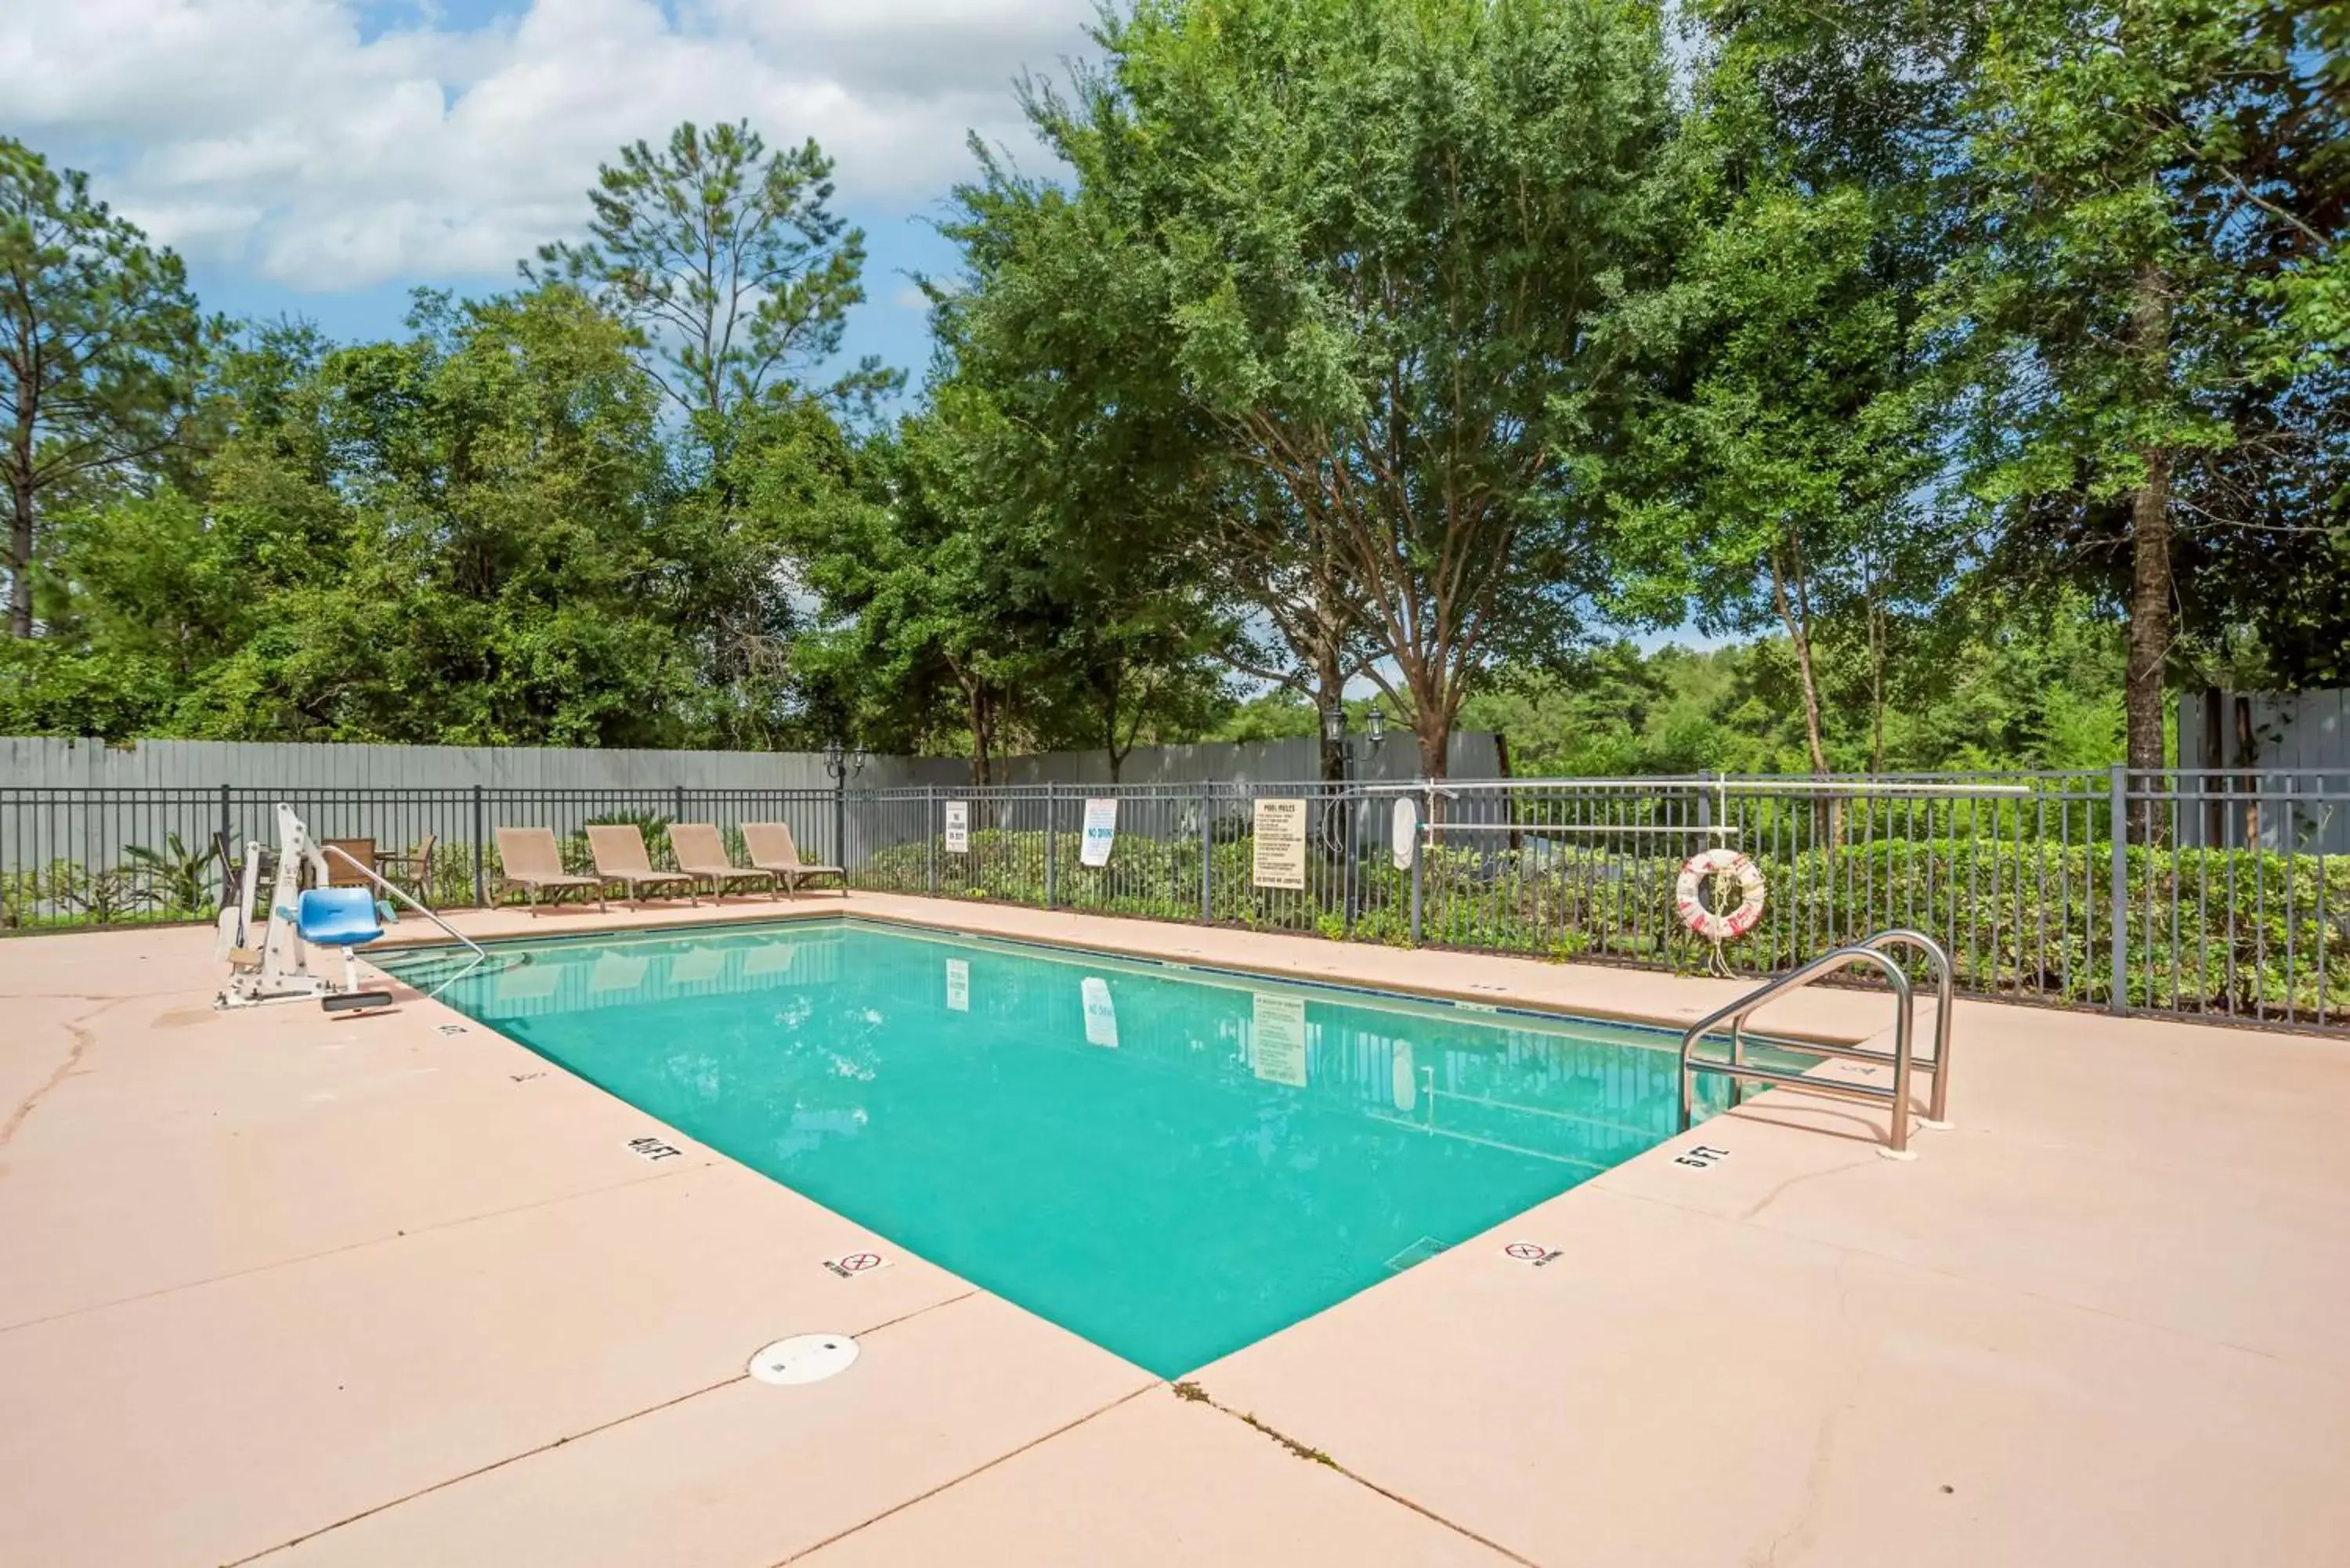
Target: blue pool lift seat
x,y
337,917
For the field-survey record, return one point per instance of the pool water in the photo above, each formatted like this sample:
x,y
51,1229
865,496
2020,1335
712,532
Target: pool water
x,y
1169,1162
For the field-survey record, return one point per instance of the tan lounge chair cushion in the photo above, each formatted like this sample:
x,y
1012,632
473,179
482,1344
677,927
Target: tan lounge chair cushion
x,y
528,856
772,849
620,852
701,853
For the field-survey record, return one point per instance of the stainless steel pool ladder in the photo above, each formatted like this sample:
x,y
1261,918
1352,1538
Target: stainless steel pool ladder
x,y
1740,1072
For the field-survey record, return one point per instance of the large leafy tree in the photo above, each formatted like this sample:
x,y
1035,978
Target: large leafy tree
x,y
931,615
101,345
499,573
1786,488
1062,317
1371,252
1788,483
2146,176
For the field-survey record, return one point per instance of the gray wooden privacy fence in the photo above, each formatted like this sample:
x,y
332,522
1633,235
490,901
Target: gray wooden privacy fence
x,y
2212,894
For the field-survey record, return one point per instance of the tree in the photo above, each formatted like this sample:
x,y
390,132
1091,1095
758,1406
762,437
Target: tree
x,y
101,346
1371,253
452,538
927,619
1786,481
1792,479
2143,173
730,258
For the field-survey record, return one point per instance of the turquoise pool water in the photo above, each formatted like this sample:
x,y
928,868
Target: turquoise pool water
x,y
1170,1163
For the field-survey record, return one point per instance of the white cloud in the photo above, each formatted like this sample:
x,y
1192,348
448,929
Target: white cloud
x,y
273,136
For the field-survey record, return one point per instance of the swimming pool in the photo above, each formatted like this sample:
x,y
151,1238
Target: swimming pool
x,y
1170,1162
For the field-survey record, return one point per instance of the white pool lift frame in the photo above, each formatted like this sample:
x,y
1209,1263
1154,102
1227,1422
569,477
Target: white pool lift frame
x,y
280,967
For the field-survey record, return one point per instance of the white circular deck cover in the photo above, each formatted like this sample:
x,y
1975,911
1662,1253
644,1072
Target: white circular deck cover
x,y
804,1358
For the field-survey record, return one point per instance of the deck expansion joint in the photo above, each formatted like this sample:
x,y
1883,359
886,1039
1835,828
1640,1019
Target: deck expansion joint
x,y
1194,1394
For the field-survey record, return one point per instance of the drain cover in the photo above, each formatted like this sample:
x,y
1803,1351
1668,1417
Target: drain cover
x,y
804,1358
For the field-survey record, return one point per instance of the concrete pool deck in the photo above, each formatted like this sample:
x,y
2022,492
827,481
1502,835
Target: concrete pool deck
x,y
393,1290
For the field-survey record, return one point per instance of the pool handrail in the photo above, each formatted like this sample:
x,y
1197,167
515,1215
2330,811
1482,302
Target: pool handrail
x,y
1739,1071
339,853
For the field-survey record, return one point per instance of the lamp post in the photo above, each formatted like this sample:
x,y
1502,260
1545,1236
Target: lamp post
x,y
841,760
1341,831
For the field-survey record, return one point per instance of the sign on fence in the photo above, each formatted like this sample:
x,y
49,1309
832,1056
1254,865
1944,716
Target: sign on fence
x,y
1280,844
958,828
1280,1054
1101,831
1404,829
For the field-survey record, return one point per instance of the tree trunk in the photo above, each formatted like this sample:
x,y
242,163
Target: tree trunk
x,y
20,568
2149,613
1796,617
1109,735
982,721
1432,725
1329,688
2150,584
20,532
1875,683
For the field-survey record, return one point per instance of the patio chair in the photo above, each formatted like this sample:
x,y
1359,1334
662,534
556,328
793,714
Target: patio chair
x,y
702,855
771,850
619,851
528,859
412,868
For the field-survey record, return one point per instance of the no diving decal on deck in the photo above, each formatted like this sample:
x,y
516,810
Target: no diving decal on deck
x,y
1532,1253
849,1266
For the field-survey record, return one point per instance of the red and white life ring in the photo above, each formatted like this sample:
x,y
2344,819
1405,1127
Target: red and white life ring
x,y
1717,925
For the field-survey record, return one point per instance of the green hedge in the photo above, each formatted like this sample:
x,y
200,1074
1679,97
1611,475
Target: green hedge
x,y
2029,919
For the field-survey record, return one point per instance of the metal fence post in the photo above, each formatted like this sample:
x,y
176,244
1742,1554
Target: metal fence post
x,y
840,827
677,802
1207,855
227,845
1419,848
930,835
481,853
2118,830
1052,846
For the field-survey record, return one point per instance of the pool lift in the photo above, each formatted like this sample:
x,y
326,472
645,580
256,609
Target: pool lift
x,y
278,966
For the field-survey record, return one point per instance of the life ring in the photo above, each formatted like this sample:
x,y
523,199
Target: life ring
x,y
1719,926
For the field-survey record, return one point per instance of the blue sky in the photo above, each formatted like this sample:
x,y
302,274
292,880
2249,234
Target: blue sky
x,y
322,158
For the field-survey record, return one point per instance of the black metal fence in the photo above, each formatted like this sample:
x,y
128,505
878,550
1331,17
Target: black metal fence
x,y
2223,894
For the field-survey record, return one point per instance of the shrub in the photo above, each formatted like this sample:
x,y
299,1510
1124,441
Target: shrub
x,y
2254,931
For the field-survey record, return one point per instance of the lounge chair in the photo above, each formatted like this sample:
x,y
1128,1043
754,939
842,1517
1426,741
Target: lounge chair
x,y
702,855
772,849
528,859
620,852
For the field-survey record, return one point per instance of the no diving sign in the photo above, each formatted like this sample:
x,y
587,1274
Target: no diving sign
x,y
1532,1253
849,1266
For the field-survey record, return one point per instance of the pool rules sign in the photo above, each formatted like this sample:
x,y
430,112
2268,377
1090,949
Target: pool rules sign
x,y
958,828
1280,859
